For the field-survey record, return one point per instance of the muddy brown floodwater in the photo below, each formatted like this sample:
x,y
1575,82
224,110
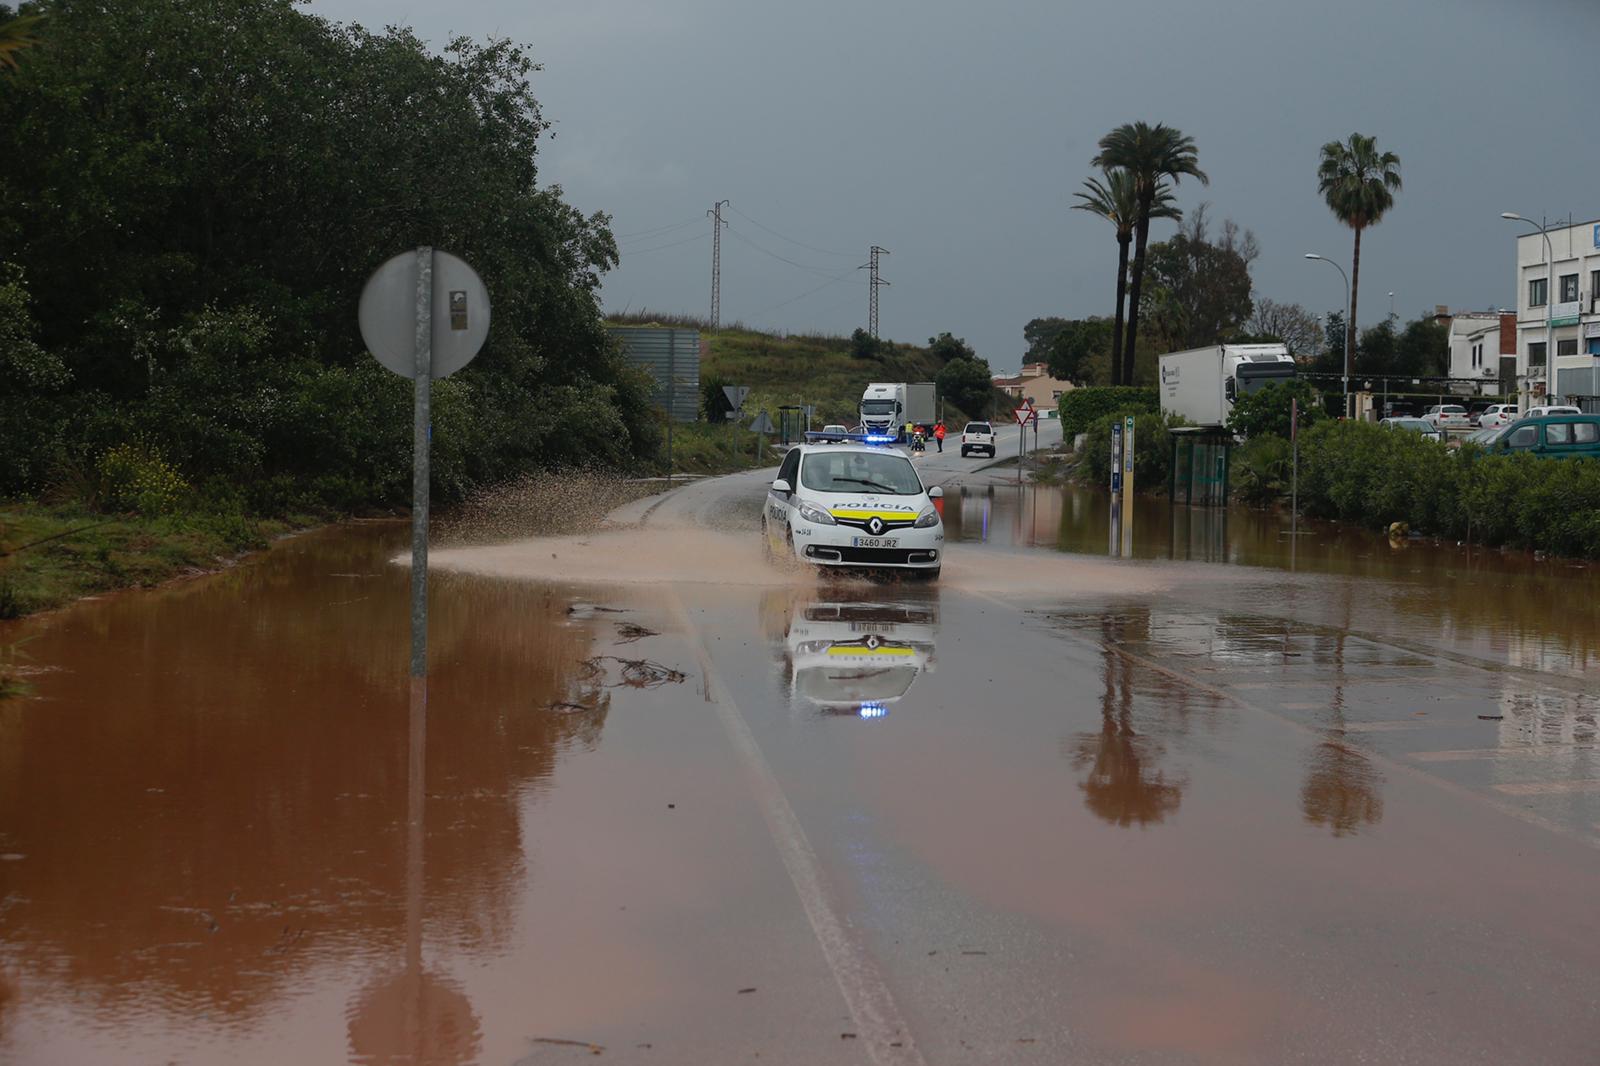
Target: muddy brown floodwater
x,y
667,804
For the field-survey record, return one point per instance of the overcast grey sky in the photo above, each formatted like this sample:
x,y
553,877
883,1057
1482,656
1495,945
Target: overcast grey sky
x,y
954,134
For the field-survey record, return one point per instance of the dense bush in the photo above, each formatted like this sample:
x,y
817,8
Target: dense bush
x,y
1152,447
1361,473
191,196
1267,410
1078,408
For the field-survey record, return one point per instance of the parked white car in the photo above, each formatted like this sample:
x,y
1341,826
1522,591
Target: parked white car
x,y
1497,415
1445,416
1553,409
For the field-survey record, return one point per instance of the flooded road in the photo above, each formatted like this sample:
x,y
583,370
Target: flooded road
x,y
680,807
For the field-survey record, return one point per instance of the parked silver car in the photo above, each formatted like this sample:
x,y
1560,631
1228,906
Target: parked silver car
x,y
1415,425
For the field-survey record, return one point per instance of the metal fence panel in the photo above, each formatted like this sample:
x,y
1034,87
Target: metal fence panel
x,y
672,359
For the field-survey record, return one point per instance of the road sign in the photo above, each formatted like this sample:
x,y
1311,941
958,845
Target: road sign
x,y
1021,414
736,394
762,424
459,312
423,314
1116,457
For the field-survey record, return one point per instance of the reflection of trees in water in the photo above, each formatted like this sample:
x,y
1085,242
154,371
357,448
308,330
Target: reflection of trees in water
x,y
1124,785
219,789
1342,790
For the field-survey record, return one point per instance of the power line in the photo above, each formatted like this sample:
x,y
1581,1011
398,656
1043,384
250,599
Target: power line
x,y
657,231
819,271
793,299
791,240
661,247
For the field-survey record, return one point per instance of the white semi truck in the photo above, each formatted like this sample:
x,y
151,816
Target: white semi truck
x,y
1202,384
887,406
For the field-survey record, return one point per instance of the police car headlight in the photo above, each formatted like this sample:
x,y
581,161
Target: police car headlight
x,y
812,513
928,518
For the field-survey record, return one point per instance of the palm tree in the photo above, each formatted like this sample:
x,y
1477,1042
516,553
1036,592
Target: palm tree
x,y
1149,154
1359,185
1116,200
17,34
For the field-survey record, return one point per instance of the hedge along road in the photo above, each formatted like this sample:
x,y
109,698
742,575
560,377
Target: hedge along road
x,y
1096,811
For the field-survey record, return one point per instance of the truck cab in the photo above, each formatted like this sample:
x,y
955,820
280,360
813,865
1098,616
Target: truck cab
x,y
883,409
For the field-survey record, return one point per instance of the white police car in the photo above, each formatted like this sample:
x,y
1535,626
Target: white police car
x,y
853,504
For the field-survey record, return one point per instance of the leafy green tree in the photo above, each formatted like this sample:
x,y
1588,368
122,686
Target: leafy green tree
x,y
1358,182
197,190
1201,291
1076,346
1266,411
944,347
1040,335
1149,154
864,345
1423,349
1117,201
966,383
1375,352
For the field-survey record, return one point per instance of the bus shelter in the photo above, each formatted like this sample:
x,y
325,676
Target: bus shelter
x,y
1198,473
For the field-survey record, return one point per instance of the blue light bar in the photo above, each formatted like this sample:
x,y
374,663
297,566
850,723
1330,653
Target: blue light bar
x,y
873,710
857,438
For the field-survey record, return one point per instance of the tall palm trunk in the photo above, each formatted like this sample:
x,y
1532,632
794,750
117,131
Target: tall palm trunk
x,y
1142,237
1122,291
1350,327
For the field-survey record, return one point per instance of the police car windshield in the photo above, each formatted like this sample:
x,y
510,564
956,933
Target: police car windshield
x,y
860,471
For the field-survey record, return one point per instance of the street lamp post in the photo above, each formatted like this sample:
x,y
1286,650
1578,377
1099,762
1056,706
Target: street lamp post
x,y
1349,326
1549,304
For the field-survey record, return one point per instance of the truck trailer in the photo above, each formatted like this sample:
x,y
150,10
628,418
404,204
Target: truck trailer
x,y
1202,384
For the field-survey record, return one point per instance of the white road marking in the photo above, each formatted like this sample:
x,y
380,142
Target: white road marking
x,y
881,1027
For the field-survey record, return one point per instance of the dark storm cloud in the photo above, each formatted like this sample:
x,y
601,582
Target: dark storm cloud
x,y
954,134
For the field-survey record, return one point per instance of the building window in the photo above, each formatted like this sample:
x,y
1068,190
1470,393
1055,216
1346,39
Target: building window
x,y
1568,347
1536,353
1594,283
1538,290
1569,288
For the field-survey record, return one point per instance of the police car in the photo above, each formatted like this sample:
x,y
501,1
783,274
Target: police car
x,y
857,503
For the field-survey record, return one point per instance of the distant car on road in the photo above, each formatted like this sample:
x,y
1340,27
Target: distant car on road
x,y
1498,415
977,437
837,432
1447,416
1414,425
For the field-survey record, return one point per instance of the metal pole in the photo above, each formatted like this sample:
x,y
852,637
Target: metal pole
x,y
421,435
1549,317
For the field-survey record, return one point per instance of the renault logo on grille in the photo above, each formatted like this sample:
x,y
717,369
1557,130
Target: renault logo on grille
x,y
875,526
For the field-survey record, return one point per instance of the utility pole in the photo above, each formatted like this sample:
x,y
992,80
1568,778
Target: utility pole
x,y
715,214
873,281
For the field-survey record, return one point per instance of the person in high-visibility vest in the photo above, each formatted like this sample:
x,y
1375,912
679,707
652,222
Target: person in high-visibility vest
x,y
938,435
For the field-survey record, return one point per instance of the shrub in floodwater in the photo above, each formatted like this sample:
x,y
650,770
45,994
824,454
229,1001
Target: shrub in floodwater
x,y
11,605
136,477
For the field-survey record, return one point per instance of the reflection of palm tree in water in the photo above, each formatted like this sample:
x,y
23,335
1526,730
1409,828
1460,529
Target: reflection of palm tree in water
x,y
1342,790
1123,786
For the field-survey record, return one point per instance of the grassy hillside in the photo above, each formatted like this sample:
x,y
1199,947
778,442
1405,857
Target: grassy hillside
x,y
798,369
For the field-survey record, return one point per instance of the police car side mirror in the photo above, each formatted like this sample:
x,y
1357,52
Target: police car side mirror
x,y
780,485
936,493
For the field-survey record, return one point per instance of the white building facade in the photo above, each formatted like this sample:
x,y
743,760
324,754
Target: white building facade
x,y
1558,299
1475,350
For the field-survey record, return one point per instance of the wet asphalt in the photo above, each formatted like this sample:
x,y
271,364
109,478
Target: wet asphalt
x,y
680,807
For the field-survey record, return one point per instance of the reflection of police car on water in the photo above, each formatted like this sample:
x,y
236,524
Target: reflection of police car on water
x,y
853,504
857,658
